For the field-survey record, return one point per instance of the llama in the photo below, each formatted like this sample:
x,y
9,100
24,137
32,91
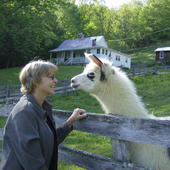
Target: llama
x,y
117,95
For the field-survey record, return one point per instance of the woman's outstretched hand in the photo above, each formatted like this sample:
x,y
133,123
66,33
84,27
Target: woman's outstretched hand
x,y
76,115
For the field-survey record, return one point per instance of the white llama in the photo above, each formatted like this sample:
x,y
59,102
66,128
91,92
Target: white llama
x,y
117,95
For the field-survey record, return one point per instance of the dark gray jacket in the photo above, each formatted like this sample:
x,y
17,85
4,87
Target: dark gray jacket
x,y
28,141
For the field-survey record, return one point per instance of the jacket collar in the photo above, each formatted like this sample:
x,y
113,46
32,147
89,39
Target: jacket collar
x,y
42,111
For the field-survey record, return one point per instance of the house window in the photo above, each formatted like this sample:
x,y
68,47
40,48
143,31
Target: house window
x,y
102,51
88,51
161,54
106,52
74,54
98,51
117,57
110,56
126,60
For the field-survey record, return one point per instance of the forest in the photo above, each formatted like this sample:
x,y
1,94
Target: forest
x,y
29,29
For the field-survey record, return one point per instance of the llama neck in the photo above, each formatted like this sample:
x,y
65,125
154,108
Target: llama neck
x,y
127,105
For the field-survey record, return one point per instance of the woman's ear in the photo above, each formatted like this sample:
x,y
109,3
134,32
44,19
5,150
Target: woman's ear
x,y
33,83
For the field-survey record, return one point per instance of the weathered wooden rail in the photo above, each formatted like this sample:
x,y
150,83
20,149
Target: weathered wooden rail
x,y
121,130
147,71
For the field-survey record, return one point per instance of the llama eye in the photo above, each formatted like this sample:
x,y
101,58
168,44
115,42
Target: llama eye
x,y
91,76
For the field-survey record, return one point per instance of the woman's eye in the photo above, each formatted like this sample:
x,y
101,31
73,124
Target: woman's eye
x,y
52,76
91,76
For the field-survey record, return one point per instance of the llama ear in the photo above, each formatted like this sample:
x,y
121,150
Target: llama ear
x,y
93,58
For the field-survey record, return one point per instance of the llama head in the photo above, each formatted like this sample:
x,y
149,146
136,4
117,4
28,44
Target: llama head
x,y
96,75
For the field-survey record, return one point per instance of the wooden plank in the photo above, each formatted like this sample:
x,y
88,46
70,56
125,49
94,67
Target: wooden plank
x,y
2,96
12,86
1,133
2,100
3,87
147,131
92,161
3,91
0,153
120,150
15,91
15,94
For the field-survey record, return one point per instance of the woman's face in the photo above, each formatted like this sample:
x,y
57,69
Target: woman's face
x,y
46,87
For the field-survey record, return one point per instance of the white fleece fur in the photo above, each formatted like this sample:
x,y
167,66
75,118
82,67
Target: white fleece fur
x,y
117,94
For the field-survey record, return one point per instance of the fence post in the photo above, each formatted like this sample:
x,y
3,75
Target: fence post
x,y
120,150
155,70
144,71
133,73
165,69
7,91
65,88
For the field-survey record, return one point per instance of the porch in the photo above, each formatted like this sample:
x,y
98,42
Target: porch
x,y
69,58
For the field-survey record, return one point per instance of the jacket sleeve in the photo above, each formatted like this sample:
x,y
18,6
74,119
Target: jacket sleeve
x,y
62,132
25,139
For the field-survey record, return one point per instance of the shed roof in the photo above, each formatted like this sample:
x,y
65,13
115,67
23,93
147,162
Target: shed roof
x,y
76,44
162,49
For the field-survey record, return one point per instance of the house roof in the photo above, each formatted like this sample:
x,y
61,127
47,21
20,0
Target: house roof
x,y
83,44
77,44
162,49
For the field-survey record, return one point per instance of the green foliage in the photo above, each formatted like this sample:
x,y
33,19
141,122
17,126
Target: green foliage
x,y
32,28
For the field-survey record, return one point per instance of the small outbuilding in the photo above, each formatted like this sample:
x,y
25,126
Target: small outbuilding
x,y
72,52
162,54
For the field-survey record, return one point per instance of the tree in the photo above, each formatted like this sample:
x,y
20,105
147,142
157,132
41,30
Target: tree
x,y
27,27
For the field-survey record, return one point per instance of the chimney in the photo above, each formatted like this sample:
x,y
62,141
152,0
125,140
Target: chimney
x,y
81,35
93,42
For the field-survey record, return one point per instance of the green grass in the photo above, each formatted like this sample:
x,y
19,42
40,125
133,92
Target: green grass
x,y
67,72
74,100
2,123
155,92
11,75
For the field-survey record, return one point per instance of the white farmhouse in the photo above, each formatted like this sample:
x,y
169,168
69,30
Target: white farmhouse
x,y
72,52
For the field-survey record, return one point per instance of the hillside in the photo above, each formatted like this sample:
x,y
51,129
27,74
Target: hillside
x,y
147,54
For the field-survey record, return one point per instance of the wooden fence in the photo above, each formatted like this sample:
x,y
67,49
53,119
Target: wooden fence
x,y
63,87
121,130
147,71
13,91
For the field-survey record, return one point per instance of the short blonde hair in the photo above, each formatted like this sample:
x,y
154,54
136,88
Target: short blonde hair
x,y
32,74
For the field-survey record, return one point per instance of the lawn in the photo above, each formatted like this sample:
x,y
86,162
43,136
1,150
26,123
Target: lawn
x,y
11,75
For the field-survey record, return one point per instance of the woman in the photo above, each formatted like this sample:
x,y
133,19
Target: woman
x,y
30,140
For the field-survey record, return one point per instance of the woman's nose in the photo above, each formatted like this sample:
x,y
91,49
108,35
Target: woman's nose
x,y
55,80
